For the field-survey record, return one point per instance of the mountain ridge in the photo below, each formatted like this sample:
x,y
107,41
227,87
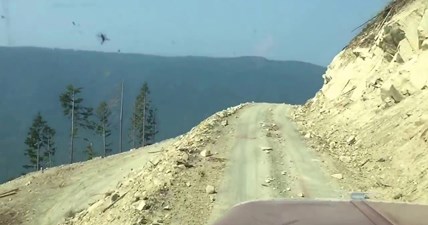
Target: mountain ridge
x,y
161,56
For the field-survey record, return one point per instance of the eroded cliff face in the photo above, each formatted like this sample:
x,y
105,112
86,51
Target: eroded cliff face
x,y
372,112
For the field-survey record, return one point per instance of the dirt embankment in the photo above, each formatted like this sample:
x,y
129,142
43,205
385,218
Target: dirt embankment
x,y
162,183
371,114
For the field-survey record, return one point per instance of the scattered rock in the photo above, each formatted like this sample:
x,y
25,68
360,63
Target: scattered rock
x,y
398,196
167,207
288,189
212,198
284,172
210,189
268,180
206,153
308,135
351,140
301,195
145,196
201,173
266,149
181,164
155,161
160,168
159,221
142,205
424,45
114,197
224,123
337,176
345,159
388,90
381,160
142,220
361,52
188,184
136,199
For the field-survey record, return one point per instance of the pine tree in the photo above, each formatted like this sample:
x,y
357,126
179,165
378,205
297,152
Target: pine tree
x,y
139,116
143,122
33,142
79,115
103,125
49,142
89,150
132,132
151,125
40,144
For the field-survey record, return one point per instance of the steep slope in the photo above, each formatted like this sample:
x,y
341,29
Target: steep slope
x,y
371,114
189,88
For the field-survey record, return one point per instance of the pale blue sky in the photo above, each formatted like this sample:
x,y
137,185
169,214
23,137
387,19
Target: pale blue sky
x,y
312,30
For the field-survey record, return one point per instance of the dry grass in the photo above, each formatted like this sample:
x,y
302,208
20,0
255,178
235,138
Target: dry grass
x,y
372,27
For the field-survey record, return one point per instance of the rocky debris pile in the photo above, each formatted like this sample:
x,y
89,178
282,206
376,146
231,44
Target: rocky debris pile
x,y
369,115
182,176
203,134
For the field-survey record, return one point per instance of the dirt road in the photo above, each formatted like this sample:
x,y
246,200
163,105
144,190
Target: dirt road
x,y
289,170
257,155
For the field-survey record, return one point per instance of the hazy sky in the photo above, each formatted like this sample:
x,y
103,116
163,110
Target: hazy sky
x,y
312,30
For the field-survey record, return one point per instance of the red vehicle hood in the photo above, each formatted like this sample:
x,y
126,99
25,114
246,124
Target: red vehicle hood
x,y
289,212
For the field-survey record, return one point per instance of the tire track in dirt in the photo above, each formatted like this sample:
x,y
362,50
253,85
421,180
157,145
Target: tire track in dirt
x,y
291,165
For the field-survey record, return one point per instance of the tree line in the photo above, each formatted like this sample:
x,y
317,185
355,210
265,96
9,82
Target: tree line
x,y
40,140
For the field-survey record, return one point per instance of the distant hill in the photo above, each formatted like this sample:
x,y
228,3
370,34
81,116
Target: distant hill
x,y
185,90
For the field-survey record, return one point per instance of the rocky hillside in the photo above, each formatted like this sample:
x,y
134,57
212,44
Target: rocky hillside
x,y
171,182
371,113
166,191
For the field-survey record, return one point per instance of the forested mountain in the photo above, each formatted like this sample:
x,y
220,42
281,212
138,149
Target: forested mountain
x,y
185,90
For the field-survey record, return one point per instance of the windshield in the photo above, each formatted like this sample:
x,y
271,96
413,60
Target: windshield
x,y
179,110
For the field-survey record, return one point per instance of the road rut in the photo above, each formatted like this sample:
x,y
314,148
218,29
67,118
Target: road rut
x,y
290,170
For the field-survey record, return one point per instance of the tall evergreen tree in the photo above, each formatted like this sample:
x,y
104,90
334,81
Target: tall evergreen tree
x,y
49,142
103,125
40,144
151,125
132,134
139,116
79,115
143,121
